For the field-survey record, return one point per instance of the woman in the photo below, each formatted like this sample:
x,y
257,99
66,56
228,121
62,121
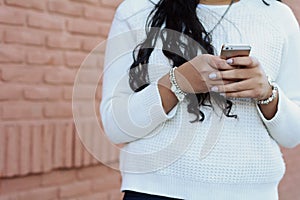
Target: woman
x,y
195,125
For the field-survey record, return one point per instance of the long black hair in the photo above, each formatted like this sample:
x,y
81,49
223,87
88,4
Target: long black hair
x,y
179,16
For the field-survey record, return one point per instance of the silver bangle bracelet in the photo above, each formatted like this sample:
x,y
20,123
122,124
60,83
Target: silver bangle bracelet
x,y
180,95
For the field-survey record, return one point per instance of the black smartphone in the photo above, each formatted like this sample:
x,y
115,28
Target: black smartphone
x,y
235,50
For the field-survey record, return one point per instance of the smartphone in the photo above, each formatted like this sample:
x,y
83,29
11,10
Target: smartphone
x,y
235,50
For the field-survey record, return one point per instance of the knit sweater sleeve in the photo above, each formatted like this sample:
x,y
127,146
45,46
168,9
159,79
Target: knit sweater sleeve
x,y
284,127
126,115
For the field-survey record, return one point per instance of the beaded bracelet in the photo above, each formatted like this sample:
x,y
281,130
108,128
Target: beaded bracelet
x,y
272,97
175,87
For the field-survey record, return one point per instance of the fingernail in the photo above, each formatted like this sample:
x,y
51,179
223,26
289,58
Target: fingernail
x,y
214,89
212,76
229,61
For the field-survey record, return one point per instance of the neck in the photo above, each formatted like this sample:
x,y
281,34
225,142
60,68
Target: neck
x,y
216,2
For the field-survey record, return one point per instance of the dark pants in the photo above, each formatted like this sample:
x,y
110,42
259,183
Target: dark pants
x,y
131,195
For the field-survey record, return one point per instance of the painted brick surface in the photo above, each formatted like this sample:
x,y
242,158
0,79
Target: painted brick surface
x,y
42,45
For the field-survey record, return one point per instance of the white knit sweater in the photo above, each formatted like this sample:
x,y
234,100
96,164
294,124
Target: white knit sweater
x,y
219,158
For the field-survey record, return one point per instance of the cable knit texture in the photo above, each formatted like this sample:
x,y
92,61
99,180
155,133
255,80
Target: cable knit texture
x,y
219,158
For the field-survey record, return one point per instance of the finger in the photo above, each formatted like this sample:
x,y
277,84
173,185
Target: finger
x,y
219,64
240,94
234,74
247,61
219,82
233,87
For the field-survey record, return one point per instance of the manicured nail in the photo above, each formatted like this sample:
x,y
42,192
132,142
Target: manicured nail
x,y
212,76
229,61
215,89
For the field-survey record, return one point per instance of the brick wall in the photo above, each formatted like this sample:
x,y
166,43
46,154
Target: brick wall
x,y
89,183
42,44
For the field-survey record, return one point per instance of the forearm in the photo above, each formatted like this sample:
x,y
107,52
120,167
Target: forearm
x,y
168,98
130,116
270,110
284,126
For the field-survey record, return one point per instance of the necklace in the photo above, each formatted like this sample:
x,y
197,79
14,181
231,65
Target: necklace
x,y
222,17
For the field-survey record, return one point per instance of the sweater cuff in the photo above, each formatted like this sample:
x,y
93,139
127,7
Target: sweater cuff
x,y
275,121
151,106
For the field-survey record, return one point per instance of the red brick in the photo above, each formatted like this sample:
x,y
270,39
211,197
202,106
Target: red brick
x,y
86,96
58,110
288,187
99,92
87,139
43,21
22,74
102,196
97,149
56,178
60,76
111,155
33,4
36,161
21,110
25,145
104,29
68,93
48,134
115,194
108,183
65,7
38,57
92,172
69,145
74,59
42,57
1,36
13,185
98,13
64,42
43,93
9,197
111,3
3,150
78,152
75,189
11,54
40,193
13,150
90,44
58,147
89,77
12,16
22,36
93,2
10,92
90,28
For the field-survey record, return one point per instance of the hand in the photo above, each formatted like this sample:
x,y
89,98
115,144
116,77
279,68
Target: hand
x,y
193,76
249,81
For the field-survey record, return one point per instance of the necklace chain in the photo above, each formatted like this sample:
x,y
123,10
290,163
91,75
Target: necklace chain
x,y
222,17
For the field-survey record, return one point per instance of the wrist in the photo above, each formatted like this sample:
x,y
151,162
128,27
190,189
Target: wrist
x,y
268,93
183,75
272,94
175,87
